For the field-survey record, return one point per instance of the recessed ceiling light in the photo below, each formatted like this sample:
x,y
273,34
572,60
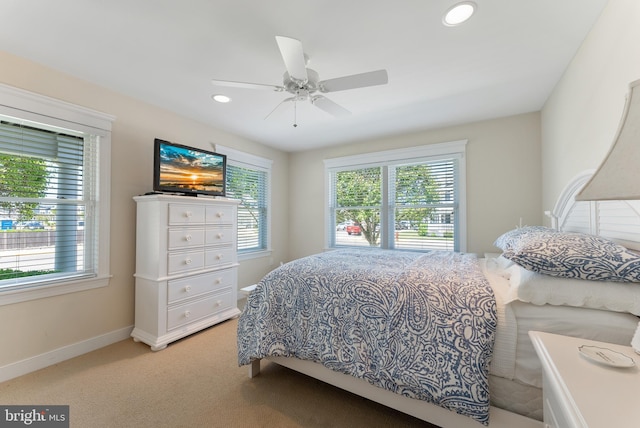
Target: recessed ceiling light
x,y
459,13
221,98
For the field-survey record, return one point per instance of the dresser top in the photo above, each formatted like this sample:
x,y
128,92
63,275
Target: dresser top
x,y
184,199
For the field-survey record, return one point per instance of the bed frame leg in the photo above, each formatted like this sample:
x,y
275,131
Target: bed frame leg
x,y
254,368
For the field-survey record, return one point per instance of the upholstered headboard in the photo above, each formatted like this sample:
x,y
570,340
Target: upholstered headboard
x,y
616,220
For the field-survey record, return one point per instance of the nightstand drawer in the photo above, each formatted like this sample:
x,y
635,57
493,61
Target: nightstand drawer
x,y
193,286
193,311
553,417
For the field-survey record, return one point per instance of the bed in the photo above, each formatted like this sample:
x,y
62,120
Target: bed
x,y
443,336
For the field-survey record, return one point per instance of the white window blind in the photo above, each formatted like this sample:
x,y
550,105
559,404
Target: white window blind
x,y
425,205
54,220
47,205
249,186
357,206
407,199
249,181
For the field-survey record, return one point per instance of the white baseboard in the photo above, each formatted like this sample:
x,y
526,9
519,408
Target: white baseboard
x,y
41,361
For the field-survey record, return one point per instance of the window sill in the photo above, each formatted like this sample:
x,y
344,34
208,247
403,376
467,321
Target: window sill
x,y
254,255
9,297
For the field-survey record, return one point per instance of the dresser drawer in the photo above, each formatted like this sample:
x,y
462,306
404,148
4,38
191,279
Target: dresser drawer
x,y
185,261
220,215
193,311
218,235
185,238
219,256
184,288
186,214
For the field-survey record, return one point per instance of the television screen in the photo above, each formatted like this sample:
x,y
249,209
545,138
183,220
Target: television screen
x,y
188,170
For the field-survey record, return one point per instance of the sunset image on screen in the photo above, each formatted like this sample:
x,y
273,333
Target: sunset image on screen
x,y
188,169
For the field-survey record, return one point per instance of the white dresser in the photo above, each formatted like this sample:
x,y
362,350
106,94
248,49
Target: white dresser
x,y
579,393
186,266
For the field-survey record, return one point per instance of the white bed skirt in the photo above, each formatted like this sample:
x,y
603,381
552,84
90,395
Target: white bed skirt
x,y
420,409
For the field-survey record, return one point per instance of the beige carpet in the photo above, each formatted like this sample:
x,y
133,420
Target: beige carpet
x,y
195,382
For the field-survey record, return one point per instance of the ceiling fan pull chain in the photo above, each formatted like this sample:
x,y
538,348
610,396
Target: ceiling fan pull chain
x,y
295,113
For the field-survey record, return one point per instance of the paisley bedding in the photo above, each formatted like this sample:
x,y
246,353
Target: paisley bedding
x,y
418,324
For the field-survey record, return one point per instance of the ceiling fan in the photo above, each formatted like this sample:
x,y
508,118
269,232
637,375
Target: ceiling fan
x,y
304,83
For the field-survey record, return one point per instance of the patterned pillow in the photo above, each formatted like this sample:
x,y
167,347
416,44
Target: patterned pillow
x,y
575,255
513,237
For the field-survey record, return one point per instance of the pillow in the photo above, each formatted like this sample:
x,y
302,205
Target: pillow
x,y
575,255
532,287
498,264
513,237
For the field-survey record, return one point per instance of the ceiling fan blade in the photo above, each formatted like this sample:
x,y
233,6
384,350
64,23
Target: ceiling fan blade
x,y
281,102
362,80
324,103
244,85
293,56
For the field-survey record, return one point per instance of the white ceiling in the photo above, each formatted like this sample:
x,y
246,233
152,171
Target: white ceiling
x,y
505,60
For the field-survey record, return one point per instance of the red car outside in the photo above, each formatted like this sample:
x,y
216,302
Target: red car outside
x,y
353,229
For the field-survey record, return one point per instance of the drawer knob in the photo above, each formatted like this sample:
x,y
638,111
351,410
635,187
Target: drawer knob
x,y
220,235
187,314
218,280
217,303
187,238
219,256
188,214
187,288
220,214
187,261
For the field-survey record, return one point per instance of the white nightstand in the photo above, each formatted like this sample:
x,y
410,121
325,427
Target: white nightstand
x,y
581,393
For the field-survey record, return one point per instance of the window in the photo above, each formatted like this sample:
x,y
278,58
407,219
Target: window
x,y
248,180
408,199
54,197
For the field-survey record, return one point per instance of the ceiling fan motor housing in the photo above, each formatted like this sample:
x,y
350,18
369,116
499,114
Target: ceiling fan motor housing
x,y
298,87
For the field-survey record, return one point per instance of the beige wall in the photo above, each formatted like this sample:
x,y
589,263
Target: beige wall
x,y
36,327
503,180
516,167
580,119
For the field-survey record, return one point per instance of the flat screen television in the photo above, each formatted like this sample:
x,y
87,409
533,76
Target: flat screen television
x,y
188,170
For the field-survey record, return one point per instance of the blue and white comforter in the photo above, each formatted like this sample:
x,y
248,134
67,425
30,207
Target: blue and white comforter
x,y
419,324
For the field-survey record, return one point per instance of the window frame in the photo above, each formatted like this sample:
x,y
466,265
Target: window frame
x,y
426,153
249,161
49,113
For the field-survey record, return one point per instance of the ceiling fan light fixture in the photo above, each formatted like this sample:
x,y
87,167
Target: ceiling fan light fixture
x,y
459,13
221,98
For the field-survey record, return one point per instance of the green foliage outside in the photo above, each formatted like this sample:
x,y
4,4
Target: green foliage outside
x,y
12,273
244,185
360,193
23,177
423,229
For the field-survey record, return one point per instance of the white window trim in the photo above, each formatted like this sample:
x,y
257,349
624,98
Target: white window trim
x,y
427,152
24,105
243,159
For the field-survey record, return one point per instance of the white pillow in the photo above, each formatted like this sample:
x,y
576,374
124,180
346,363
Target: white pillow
x,y
497,263
539,289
